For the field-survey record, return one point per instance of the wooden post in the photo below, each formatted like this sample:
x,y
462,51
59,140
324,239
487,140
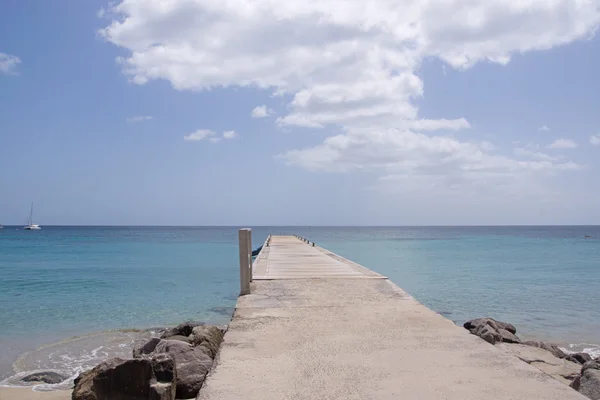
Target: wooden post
x,y
244,241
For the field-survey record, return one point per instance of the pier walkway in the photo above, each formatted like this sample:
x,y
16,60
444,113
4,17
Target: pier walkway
x,y
317,326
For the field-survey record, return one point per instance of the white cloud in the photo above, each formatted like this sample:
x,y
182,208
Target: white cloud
x,y
139,118
200,134
229,134
207,134
439,124
544,128
536,155
562,144
595,140
405,152
8,64
352,65
261,112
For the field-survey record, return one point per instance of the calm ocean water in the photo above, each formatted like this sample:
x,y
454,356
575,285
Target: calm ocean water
x,y
62,282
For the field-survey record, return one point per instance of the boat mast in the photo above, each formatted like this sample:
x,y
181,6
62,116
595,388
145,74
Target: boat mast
x,y
31,214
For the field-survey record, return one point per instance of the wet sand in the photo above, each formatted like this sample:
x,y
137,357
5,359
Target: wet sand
x,y
28,394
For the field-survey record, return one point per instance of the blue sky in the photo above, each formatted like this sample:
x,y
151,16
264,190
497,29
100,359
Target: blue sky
x,y
393,113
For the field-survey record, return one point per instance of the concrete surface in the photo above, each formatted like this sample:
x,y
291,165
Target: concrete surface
x,y
289,258
348,338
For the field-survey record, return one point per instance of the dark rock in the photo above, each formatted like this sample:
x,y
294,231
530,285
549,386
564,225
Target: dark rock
x,y
209,337
492,331
594,364
508,337
118,379
186,339
580,358
588,383
472,324
184,329
487,333
192,364
49,377
145,347
547,346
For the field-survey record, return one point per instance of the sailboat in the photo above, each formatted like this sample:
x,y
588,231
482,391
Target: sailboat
x,y
30,225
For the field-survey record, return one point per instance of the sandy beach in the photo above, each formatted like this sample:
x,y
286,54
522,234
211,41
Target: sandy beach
x,y
28,394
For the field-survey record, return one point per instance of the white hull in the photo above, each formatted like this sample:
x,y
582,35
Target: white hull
x,y
32,228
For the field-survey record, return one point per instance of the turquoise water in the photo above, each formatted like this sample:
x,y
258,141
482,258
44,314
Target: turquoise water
x,y
66,281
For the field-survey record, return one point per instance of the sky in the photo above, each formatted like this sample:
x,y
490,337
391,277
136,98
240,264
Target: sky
x,y
300,112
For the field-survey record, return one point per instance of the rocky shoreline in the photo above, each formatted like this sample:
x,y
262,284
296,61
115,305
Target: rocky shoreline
x,y
175,364
171,366
578,370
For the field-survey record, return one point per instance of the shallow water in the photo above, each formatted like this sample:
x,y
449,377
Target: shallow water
x,y
66,281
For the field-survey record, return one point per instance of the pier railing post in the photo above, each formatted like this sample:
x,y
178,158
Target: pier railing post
x,y
250,254
245,257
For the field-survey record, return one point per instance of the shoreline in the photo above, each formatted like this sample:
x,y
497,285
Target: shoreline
x,y
92,348
25,393
95,347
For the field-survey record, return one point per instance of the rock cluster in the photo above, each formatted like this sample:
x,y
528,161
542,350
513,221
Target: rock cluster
x,y
172,366
117,379
492,331
578,370
588,382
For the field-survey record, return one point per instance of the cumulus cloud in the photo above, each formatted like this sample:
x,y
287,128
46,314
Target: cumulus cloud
x,y
405,152
261,112
139,118
8,64
544,128
562,144
349,65
595,140
229,134
536,155
439,124
200,134
211,136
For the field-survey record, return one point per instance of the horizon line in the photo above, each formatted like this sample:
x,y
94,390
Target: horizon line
x,y
310,226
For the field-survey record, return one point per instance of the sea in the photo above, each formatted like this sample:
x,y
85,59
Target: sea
x,y
71,297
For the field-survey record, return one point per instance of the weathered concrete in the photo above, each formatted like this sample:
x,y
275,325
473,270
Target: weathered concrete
x,y
289,258
349,338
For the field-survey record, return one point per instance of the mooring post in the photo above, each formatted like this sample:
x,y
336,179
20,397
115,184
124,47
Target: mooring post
x,y
250,254
245,249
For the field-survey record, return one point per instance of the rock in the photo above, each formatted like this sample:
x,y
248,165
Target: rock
x,y
49,377
208,336
508,337
145,347
472,324
560,369
184,329
547,346
588,383
186,339
594,364
580,358
118,379
492,331
487,333
192,364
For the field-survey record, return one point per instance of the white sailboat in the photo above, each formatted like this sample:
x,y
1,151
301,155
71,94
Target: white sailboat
x,y
30,225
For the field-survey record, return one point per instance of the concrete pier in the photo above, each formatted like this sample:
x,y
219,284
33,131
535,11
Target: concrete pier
x,y
317,326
